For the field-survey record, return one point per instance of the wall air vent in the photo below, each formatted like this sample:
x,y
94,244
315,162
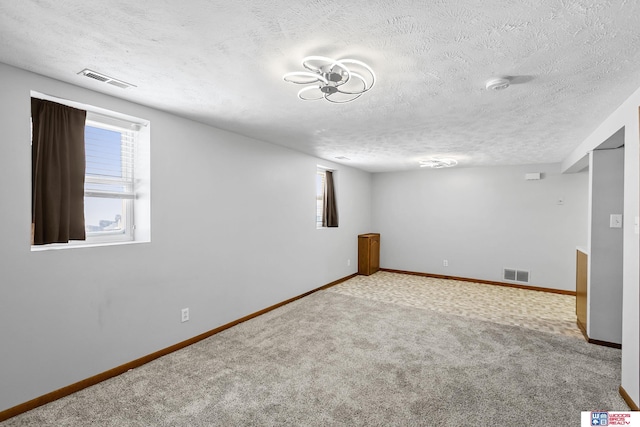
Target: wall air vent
x,y
522,276
514,275
105,79
509,274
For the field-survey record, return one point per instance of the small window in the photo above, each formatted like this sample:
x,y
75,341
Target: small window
x,y
109,190
326,206
320,180
117,181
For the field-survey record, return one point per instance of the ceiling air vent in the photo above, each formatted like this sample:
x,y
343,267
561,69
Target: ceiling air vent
x,y
119,84
105,79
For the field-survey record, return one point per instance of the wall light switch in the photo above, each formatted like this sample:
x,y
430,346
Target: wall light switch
x,y
615,221
636,223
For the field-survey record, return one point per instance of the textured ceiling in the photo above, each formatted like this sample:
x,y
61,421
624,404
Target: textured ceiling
x,y
571,63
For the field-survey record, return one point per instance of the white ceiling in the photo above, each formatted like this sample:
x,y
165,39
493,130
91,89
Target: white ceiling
x,y
571,62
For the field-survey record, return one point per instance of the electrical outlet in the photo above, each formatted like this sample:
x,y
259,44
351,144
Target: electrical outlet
x,y
445,263
185,315
348,262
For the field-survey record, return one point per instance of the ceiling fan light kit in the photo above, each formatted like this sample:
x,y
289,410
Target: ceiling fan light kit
x,y
438,163
336,80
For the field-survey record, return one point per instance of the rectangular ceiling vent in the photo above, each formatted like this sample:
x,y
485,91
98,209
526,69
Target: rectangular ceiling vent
x,y
105,79
515,275
119,84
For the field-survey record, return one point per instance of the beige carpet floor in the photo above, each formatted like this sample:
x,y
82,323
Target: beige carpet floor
x,y
536,310
372,351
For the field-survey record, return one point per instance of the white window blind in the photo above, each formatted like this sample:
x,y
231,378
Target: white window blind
x,y
320,183
110,154
110,160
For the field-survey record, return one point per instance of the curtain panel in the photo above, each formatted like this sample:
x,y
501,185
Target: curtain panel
x,y
57,173
330,211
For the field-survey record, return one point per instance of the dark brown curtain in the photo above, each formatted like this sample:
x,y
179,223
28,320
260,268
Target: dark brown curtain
x,y
57,173
330,211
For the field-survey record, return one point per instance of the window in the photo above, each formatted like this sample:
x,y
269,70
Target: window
x,y
320,180
116,187
109,189
326,206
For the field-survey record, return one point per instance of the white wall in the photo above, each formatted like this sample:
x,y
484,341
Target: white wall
x,y
606,197
482,220
233,232
625,116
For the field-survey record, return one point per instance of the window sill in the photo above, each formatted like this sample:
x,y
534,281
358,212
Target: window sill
x,y
81,245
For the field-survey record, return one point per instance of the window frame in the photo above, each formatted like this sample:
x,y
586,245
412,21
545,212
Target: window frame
x,y
320,193
128,198
321,174
136,218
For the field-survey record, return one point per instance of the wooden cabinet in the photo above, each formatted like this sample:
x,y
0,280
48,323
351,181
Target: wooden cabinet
x,y
368,253
581,289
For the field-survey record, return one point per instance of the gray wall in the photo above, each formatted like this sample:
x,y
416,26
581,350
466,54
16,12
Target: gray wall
x,y
625,116
482,220
233,232
606,182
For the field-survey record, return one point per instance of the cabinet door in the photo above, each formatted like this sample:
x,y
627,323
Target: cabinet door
x,y
368,254
581,289
363,255
374,254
